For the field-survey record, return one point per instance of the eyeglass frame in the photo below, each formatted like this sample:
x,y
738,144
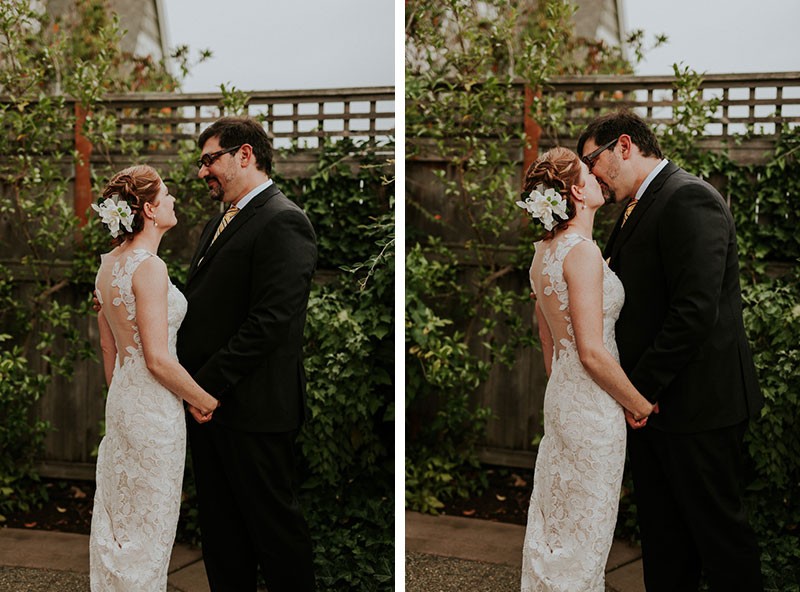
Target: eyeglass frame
x,y
208,159
590,159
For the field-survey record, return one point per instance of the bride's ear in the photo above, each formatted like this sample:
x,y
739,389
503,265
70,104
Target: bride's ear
x,y
576,191
147,210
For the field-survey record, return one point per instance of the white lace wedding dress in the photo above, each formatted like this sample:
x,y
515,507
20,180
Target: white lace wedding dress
x,y
580,460
140,460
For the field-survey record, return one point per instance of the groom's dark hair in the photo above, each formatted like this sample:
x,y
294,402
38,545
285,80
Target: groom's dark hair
x,y
612,125
235,131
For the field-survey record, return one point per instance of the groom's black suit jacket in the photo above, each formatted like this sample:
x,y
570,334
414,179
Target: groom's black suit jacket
x,y
242,337
680,333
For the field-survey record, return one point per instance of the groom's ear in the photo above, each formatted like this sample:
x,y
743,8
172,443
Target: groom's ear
x,y
246,152
625,144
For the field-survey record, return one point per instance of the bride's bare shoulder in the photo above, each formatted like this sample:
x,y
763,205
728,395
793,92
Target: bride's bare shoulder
x,y
110,255
584,259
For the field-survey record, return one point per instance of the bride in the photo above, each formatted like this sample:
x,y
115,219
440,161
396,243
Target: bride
x,y
580,460
140,459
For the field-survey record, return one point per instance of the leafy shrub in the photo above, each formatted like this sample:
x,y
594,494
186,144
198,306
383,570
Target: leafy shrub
x,y
348,445
462,107
21,440
772,320
38,311
442,427
340,200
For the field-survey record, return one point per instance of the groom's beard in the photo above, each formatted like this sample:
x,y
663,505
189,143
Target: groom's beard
x,y
215,190
609,196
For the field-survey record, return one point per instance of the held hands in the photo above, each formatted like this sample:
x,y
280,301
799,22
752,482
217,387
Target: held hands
x,y
201,417
198,415
633,422
637,422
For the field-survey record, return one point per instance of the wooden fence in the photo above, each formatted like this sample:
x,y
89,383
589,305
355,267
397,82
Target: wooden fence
x,y
160,126
304,118
765,104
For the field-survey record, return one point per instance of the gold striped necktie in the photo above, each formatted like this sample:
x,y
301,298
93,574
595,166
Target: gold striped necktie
x,y
226,219
628,210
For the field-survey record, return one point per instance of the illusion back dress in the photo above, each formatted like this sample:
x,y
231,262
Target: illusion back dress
x,y
141,457
580,459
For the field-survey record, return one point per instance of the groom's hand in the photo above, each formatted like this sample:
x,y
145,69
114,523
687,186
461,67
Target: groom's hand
x,y
95,302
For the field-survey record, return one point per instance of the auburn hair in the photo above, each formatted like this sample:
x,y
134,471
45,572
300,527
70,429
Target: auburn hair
x,y
560,169
135,185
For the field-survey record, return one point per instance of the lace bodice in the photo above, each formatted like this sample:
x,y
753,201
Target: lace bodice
x,y
547,280
120,288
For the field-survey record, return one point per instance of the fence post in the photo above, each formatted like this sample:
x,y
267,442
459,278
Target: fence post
x,y
83,175
533,132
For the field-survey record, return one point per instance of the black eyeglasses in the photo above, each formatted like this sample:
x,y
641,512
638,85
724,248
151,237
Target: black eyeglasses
x,y
208,159
592,157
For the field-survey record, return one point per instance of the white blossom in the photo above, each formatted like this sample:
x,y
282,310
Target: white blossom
x,y
543,204
113,213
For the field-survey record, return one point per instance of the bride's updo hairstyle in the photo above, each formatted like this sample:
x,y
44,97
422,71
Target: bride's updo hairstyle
x,y
136,186
559,169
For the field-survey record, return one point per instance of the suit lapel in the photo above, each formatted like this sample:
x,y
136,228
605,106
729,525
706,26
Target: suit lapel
x,y
202,246
206,252
621,234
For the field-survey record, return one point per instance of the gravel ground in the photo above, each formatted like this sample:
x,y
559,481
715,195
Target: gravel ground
x,y
21,579
430,573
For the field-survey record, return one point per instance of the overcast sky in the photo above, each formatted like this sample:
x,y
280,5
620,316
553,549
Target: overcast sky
x,y
302,44
719,36
285,44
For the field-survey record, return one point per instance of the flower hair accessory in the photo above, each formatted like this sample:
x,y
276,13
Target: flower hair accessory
x,y
113,213
543,204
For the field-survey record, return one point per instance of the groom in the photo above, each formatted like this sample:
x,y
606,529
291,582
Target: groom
x,y
241,339
682,343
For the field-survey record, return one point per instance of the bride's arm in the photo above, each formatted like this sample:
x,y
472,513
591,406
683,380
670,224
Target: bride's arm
x,y
107,346
583,272
546,339
150,288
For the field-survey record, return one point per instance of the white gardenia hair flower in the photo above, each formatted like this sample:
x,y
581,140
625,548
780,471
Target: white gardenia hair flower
x,y
543,204
113,213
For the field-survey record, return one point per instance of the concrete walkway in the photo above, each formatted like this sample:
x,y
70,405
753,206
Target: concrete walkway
x,y
443,554
448,553
39,561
